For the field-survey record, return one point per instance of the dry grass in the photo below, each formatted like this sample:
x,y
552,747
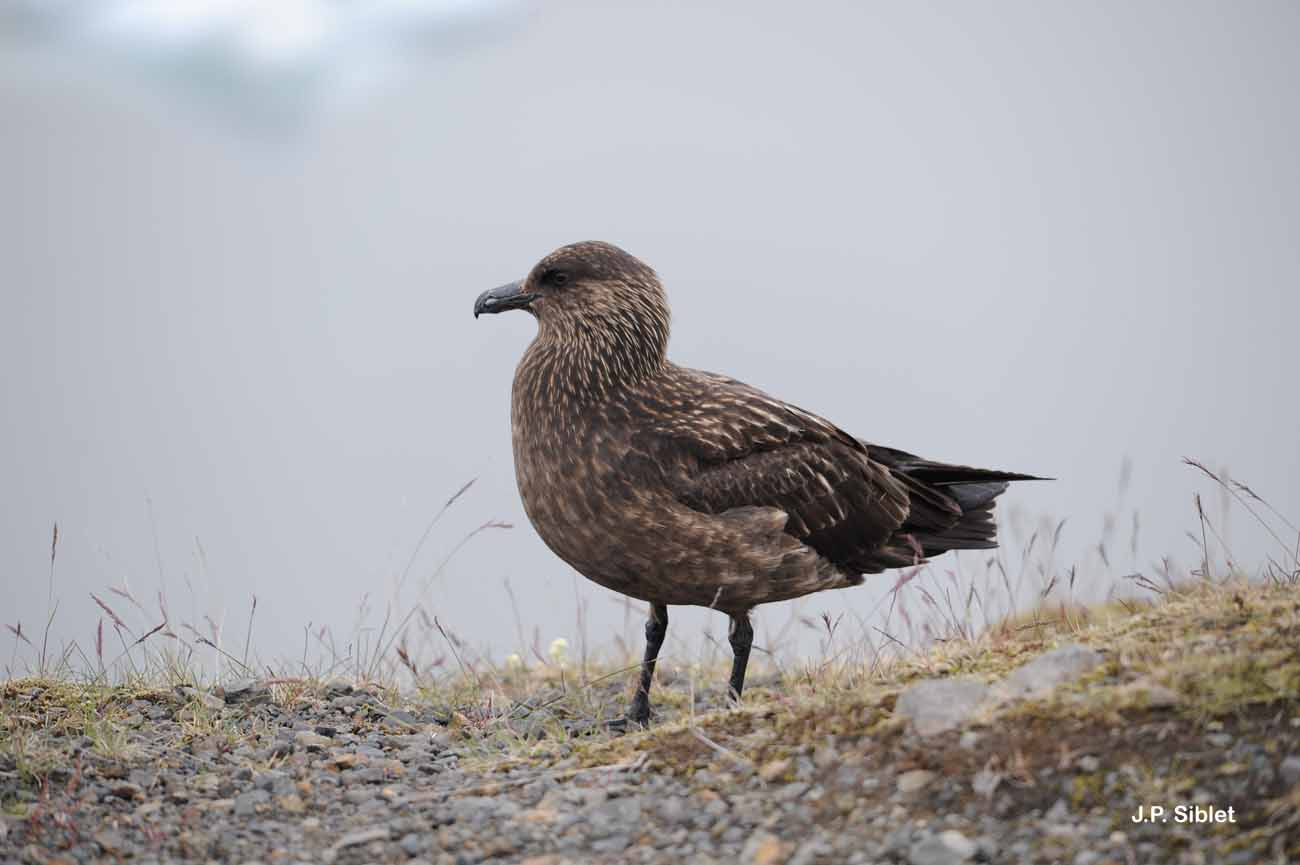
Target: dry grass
x,y
531,705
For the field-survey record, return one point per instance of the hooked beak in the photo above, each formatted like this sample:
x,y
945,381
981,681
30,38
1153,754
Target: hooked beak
x,y
504,297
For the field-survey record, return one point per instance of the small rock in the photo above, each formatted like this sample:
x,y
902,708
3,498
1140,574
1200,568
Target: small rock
x,y
1219,740
986,782
674,810
292,804
338,688
947,848
112,843
209,701
413,843
247,691
936,705
969,739
1290,770
347,760
148,808
910,782
1087,857
356,839
1047,671
246,803
615,815
1088,763
1059,812
128,791
400,720
774,770
311,741
790,792
763,848
811,851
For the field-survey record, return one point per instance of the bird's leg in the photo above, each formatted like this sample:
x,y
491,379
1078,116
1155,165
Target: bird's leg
x,y
655,628
741,636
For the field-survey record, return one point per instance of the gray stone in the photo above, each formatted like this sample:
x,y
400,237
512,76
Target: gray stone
x,y
946,848
246,803
614,815
247,691
1290,770
937,705
674,810
311,741
910,782
1049,670
338,688
414,843
762,847
986,782
810,851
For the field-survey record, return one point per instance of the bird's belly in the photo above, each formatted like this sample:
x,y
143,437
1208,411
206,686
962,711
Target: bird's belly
x,y
649,546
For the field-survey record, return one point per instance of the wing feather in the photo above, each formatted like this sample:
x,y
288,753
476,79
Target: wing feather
x,y
754,451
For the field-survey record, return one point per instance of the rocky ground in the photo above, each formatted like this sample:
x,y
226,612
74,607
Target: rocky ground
x,y
1036,744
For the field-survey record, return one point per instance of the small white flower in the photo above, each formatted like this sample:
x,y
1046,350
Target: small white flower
x,y
514,662
559,646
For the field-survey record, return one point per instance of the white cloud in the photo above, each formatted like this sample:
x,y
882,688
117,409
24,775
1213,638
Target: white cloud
x,y
280,61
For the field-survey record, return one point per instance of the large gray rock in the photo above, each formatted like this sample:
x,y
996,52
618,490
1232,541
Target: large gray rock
x,y
1049,670
936,705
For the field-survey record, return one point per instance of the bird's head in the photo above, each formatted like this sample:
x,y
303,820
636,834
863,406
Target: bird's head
x,y
590,295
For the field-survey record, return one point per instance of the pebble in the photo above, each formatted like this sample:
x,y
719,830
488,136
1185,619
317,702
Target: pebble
x,y
246,804
774,770
127,790
763,848
1290,770
247,691
910,782
414,843
311,741
949,847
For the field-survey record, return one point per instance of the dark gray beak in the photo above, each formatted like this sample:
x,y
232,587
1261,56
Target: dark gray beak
x,y
504,297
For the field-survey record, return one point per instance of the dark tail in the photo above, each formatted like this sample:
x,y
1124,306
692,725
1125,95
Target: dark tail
x,y
952,506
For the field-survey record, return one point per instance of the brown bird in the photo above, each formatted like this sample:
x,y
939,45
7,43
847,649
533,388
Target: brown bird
x,y
677,486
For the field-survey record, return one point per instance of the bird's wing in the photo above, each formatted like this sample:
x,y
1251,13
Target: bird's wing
x,y
755,451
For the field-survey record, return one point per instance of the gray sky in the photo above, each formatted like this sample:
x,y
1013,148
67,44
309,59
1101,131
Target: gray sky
x,y
1038,236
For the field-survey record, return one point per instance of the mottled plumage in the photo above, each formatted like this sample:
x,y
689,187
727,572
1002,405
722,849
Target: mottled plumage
x,y
677,486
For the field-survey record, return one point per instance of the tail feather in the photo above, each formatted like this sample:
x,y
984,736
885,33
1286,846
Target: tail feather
x,y
951,505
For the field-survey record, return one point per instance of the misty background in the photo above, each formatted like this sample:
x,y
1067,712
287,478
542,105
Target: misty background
x,y
238,257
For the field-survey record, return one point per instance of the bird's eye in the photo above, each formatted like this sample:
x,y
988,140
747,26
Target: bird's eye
x,y
559,277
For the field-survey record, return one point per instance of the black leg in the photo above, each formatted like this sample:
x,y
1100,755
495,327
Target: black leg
x,y
742,637
655,628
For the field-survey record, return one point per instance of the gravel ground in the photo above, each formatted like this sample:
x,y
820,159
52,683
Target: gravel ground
x,y
336,775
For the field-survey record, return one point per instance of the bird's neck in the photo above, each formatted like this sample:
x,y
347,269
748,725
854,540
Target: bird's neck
x,y
583,366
